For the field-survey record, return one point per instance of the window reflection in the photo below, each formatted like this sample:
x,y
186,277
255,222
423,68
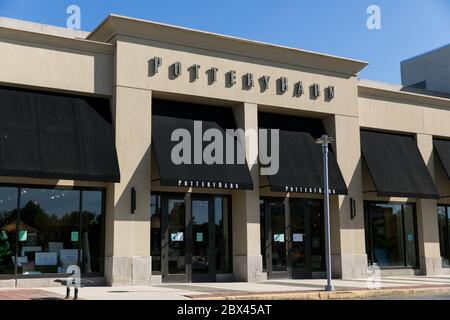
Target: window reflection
x,y
391,234
223,234
410,236
317,236
262,232
48,230
92,245
155,237
298,228
443,219
200,234
8,224
387,235
55,228
277,215
176,229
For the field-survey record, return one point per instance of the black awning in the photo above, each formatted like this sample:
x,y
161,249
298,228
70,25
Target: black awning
x,y
56,136
301,163
169,116
442,148
396,166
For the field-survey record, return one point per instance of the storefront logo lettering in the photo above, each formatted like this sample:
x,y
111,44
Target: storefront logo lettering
x,y
207,184
307,190
249,80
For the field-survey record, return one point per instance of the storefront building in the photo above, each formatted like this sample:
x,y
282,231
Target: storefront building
x,y
87,124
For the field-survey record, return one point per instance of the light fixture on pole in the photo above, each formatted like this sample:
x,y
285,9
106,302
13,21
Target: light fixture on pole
x,y
325,140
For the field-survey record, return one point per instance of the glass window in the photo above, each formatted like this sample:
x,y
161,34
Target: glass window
x,y
176,229
307,245
8,225
54,228
277,216
448,232
410,236
368,234
391,234
299,251
223,234
92,245
209,234
262,232
200,234
443,219
317,236
48,230
155,236
387,235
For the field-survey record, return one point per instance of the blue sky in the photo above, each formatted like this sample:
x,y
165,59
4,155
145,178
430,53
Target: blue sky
x,y
330,26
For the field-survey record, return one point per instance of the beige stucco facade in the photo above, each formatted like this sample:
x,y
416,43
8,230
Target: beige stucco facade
x,y
386,108
117,61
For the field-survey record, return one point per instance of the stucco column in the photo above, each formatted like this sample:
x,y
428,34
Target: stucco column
x,y
349,259
128,260
427,222
247,259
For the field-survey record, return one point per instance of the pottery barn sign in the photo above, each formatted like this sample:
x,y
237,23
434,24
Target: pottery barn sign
x,y
249,81
208,184
307,190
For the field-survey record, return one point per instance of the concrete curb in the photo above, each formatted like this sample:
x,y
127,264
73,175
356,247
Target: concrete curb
x,y
337,295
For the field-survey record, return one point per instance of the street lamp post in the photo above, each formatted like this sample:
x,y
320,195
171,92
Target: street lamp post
x,y
324,141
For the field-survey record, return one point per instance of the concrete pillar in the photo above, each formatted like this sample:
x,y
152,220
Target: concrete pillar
x,y
349,259
427,222
247,259
128,260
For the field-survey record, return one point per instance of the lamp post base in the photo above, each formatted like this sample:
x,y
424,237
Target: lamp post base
x,y
329,288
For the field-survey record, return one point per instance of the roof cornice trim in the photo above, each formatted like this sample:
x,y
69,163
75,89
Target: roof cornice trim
x,y
56,41
392,92
115,24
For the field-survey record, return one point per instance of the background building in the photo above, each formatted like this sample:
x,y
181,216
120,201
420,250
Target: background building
x,y
430,71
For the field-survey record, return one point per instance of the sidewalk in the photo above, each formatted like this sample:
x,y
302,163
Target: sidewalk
x,y
274,289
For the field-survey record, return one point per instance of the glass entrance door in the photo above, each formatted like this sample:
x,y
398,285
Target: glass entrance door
x,y
275,249
173,239
306,242
203,253
300,249
293,242
195,237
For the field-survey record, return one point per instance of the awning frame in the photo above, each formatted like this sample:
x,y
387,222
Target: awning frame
x,y
406,144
